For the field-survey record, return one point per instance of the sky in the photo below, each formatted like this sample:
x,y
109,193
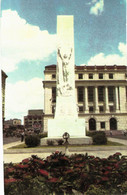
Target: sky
x,y
28,39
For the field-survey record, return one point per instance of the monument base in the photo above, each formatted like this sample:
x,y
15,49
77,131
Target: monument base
x,y
72,141
58,126
75,127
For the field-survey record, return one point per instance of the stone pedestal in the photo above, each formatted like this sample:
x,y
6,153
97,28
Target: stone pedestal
x,y
72,141
75,127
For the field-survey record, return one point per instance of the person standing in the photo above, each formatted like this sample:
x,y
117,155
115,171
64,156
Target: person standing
x,y
22,136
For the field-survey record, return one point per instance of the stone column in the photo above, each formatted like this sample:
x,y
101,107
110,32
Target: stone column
x,y
106,100
116,99
86,99
96,99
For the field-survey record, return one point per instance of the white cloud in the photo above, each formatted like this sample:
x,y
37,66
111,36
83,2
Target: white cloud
x,y
23,41
97,8
102,59
22,96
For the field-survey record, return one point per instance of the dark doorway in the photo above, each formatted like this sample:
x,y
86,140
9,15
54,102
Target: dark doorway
x,y
113,124
92,124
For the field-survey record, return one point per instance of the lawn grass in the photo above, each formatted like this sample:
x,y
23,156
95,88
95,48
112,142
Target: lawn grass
x,y
23,146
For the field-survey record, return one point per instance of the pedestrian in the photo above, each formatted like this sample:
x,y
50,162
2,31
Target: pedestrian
x,y
22,136
111,133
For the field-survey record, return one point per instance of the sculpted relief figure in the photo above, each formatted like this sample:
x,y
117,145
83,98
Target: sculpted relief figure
x,y
64,57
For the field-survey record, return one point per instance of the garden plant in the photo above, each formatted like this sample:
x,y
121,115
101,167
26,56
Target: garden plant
x,y
60,174
32,140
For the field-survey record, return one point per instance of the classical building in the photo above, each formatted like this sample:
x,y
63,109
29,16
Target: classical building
x,y
34,120
4,76
101,95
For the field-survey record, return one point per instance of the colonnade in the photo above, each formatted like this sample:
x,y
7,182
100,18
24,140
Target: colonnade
x,y
106,102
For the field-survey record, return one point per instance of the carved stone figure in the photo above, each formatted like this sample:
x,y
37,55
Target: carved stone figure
x,y
65,58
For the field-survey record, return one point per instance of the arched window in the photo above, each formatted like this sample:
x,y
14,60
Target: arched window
x,y
113,124
92,124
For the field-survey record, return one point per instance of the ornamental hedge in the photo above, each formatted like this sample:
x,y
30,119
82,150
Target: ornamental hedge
x,y
32,140
60,174
98,137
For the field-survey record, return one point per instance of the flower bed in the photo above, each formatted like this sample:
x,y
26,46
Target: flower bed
x,y
62,174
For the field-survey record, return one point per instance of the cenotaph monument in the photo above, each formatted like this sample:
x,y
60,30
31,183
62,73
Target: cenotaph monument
x,y
66,112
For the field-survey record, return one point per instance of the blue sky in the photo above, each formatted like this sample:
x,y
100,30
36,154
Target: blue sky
x,y
29,43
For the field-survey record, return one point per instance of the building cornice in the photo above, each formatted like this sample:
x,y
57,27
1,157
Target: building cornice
x,y
93,82
93,68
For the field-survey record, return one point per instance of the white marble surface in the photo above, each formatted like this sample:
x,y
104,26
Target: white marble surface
x,y
66,114
75,127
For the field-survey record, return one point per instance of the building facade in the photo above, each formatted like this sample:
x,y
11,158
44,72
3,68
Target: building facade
x,y
34,120
12,122
101,95
4,76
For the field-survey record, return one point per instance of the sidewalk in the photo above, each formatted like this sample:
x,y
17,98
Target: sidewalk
x,y
121,141
17,155
6,146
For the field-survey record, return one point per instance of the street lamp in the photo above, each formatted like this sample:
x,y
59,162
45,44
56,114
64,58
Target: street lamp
x,y
66,137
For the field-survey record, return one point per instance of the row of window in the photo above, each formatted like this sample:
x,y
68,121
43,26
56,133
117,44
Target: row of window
x,y
100,76
102,125
30,120
101,109
91,109
112,124
91,92
90,76
101,93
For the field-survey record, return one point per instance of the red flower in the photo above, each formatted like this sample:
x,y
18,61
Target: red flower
x,y
91,156
36,160
106,172
10,170
109,168
78,159
56,152
54,180
22,166
69,171
11,180
25,160
77,169
117,165
41,162
43,172
64,158
55,160
81,165
105,179
76,165
117,154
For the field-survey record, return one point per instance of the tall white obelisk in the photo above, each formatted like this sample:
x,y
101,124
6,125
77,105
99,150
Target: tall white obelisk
x,y
65,102
66,114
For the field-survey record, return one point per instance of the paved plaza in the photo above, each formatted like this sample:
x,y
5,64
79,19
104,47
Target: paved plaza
x,y
17,155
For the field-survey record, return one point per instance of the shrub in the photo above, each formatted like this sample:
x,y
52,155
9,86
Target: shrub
x,y
50,142
96,190
92,133
32,140
99,138
62,174
43,134
60,141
